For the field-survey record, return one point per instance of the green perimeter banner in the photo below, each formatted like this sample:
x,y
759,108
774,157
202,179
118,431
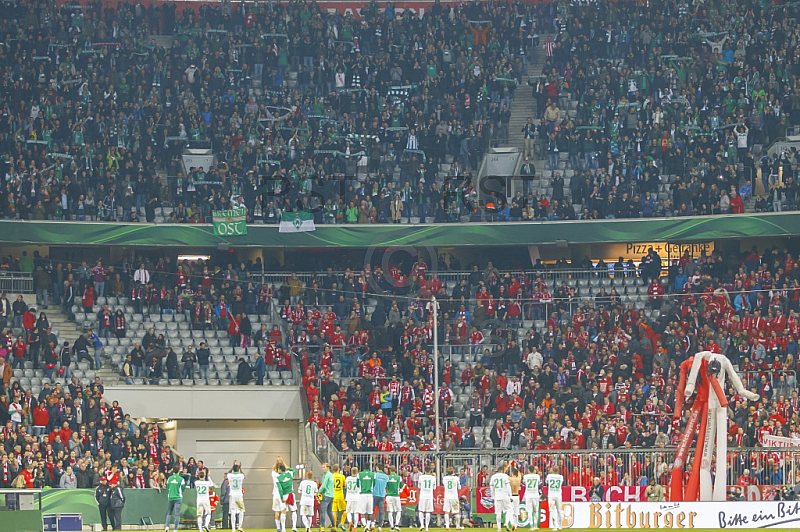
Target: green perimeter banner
x,y
364,236
231,222
139,503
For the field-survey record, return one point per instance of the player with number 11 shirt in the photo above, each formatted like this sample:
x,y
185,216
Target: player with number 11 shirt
x,y
425,506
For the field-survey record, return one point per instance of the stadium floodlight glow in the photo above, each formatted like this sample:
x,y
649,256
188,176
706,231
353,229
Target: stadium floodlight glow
x,y
705,372
194,257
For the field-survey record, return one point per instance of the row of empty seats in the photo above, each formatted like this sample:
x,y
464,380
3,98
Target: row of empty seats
x,y
35,379
273,378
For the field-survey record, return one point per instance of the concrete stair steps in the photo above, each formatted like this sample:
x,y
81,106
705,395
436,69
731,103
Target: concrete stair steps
x,y
71,331
108,376
524,107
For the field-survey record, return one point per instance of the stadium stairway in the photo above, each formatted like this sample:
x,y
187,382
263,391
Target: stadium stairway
x,y
166,192
66,329
70,331
524,106
107,375
750,204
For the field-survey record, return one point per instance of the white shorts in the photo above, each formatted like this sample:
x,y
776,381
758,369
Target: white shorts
x,y
203,508
365,504
276,502
352,506
289,507
425,505
393,504
237,503
554,501
451,506
502,506
307,509
533,506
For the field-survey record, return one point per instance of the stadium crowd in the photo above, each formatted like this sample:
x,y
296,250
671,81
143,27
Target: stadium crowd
x,y
529,361
680,89
69,437
93,108
591,373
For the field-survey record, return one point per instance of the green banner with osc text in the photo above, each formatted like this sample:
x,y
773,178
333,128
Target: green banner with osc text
x,y
232,222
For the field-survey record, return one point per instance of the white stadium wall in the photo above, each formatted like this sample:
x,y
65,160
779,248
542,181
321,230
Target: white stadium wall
x,y
206,402
255,443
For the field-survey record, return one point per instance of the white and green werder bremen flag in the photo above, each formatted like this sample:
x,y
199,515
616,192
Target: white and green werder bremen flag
x,y
296,222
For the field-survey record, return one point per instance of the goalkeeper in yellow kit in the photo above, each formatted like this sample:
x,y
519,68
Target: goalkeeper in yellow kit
x,y
339,504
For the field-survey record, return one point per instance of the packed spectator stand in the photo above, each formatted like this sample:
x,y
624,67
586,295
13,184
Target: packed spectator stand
x,y
559,357
97,109
567,360
670,115
66,435
294,99
668,109
57,429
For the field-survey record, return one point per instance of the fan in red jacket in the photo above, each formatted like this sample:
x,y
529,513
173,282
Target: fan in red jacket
x,y
28,320
41,417
656,291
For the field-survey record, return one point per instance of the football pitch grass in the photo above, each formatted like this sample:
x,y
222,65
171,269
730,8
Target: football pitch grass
x,y
489,529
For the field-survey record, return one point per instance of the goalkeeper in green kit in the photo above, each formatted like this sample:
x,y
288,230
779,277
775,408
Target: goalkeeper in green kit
x,y
393,506
286,492
175,486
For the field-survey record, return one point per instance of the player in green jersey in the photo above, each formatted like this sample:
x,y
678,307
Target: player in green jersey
x,y
176,483
286,491
393,505
365,480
